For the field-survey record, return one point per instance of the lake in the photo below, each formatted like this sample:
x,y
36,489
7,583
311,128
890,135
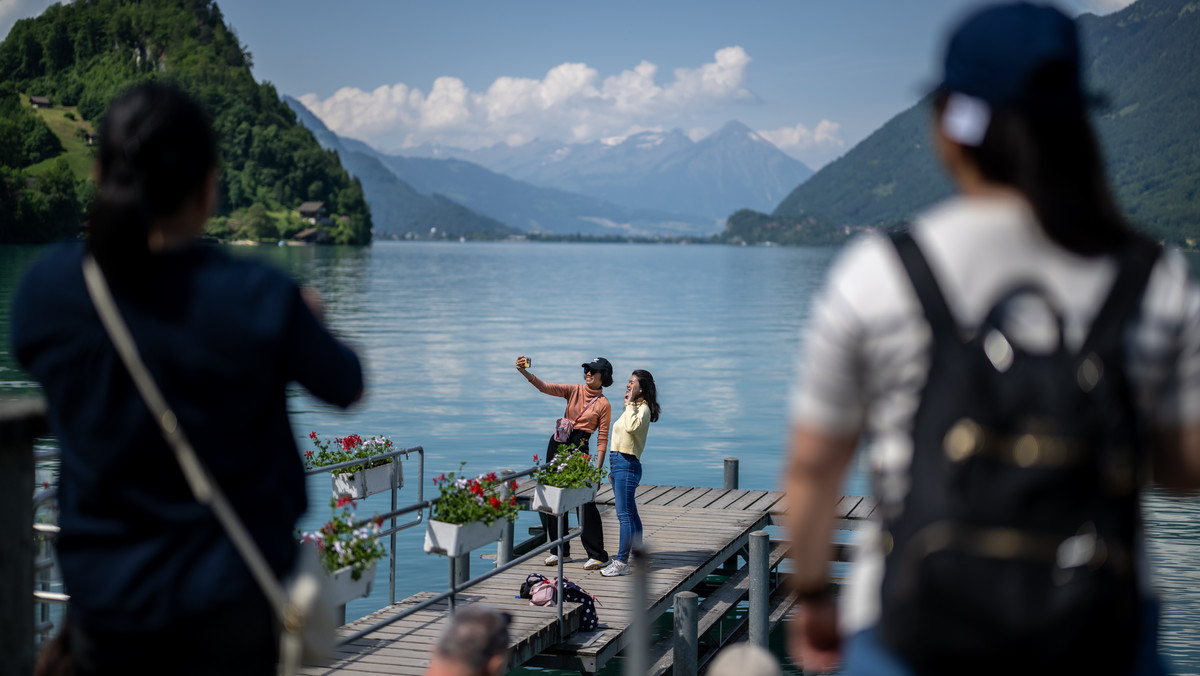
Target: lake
x,y
439,326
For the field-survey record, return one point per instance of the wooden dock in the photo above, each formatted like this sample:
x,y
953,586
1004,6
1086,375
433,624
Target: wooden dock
x,y
690,534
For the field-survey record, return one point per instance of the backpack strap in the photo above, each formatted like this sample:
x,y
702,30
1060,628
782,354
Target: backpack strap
x,y
1134,263
937,313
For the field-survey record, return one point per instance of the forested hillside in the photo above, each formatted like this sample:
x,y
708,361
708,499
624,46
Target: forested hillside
x,y
81,55
1144,61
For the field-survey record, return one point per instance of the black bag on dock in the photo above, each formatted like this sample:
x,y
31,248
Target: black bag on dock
x,y
1013,550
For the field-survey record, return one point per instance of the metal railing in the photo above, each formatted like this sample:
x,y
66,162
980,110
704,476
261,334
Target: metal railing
x,y
393,526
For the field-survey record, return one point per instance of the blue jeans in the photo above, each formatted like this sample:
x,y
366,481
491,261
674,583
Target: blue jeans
x,y
866,654
626,472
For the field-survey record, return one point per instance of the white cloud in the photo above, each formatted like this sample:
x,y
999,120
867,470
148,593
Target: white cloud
x,y
800,138
571,102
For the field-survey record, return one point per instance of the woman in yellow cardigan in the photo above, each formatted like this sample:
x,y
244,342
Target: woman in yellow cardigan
x,y
628,441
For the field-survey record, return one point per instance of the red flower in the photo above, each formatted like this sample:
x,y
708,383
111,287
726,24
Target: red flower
x,y
379,522
492,477
308,454
476,489
512,500
495,503
535,458
45,485
513,486
312,435
345,500
350,442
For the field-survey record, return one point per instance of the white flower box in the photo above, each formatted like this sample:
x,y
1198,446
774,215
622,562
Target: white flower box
x,y
554,500
366,482
453,539
343,588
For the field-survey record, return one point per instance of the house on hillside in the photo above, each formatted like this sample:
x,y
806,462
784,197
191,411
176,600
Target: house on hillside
x,y
314,212
40,102
92,139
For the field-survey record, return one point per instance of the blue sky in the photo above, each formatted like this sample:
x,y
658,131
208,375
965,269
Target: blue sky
x,y
813,76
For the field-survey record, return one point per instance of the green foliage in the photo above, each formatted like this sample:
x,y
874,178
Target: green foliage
x,y
571,468
464,500
258,224
87,52
345,449
1142,59
751,227
40,209
340,545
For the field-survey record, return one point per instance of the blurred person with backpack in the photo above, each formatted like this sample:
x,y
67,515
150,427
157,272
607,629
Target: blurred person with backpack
x,y
474,643
1018,362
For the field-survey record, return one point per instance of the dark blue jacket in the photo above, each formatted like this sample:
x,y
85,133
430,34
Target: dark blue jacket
x,y
222,337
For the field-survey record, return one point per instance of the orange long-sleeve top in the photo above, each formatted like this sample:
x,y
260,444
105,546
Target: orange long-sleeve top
x,y
596,419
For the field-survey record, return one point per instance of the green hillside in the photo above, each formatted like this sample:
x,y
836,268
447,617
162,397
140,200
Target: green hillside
x,y
1145,60
81,55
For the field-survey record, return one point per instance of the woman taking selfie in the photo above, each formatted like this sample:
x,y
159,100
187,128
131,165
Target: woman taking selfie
x,y
589,410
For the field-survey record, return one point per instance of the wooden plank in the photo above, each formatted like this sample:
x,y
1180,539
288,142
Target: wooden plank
x,y
668,496
749,498
686,500
725,500
766,502
847,505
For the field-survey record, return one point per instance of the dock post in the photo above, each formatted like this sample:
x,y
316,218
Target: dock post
x,y
20,422
731,474
504,549
760,546
462,569
686,629
637,655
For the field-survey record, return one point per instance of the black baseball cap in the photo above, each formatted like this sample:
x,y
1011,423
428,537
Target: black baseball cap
x,y
1015,55
601,366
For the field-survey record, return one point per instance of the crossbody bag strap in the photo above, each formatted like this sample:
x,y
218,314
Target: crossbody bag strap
x,y
585,408
203,487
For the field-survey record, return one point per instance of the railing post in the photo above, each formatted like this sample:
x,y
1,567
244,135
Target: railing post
x,y
392,537
453,582
504,549
731,474
562,533
686,628
20,422
760,545
637,655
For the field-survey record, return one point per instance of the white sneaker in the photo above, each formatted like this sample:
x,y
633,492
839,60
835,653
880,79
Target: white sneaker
x,y
552,560
616,568
593,564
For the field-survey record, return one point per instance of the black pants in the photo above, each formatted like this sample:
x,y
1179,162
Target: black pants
x,y
593,532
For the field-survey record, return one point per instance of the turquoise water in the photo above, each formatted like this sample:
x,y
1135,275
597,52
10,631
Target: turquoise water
x,y
439,326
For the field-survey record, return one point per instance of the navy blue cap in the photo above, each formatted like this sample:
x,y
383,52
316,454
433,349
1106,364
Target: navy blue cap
x,y
1015,55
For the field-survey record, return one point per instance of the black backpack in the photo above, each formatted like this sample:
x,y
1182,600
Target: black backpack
x,y
1013,551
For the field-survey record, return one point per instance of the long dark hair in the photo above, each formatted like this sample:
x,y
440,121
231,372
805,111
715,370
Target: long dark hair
x,y
156,147
649,392
1051,156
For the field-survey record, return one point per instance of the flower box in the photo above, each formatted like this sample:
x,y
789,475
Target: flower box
x,y
554,500
367,482
453,539
343,588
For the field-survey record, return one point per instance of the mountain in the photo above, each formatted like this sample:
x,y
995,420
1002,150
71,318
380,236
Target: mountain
x,y
533,208
396,207
1145,60
730,169
82,54
515,203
